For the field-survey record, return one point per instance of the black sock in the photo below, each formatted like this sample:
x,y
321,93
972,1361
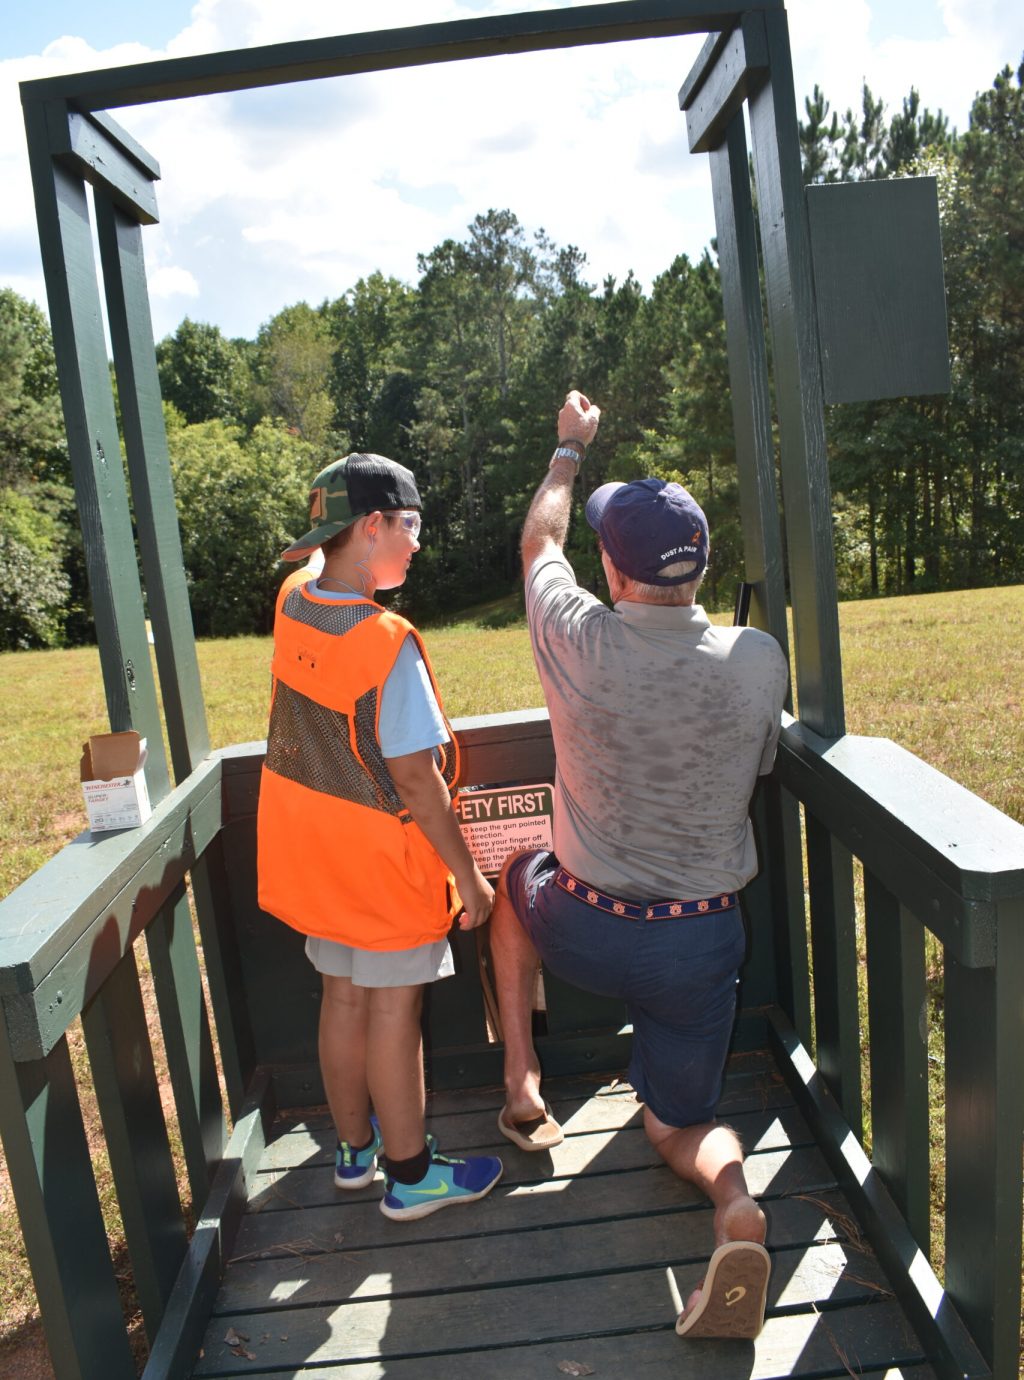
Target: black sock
x,y
357,1149
412,1170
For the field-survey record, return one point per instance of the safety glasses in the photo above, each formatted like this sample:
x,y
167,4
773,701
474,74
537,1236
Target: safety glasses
x,y
409,522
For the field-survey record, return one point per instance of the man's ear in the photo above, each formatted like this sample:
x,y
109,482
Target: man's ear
x,y
611,575
371,522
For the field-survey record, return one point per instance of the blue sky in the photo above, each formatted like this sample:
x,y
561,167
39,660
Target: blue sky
x,y
28,28
294,193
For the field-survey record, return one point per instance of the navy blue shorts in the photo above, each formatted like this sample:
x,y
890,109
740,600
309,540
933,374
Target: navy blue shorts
x,y
678,978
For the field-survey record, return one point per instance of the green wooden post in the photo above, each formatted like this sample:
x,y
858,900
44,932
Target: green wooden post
x,y
51,1175
121,1058
131,332
187,1039
229,996
93,443
899,1053
776,897
984,1128
748,382
834,942
798,393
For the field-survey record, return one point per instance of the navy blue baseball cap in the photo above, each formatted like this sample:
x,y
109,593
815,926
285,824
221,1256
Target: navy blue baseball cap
x,y
647,525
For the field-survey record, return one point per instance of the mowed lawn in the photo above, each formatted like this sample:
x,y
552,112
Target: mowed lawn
x,y
941,674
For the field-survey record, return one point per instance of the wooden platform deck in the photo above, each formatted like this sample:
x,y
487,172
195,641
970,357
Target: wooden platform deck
x,y
562,1270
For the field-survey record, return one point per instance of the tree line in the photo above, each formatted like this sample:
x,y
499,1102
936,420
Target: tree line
x,y
456,377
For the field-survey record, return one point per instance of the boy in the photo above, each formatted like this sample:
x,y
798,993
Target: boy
x,y
358,845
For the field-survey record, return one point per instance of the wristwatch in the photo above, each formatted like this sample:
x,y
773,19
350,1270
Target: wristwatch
x,y
570,449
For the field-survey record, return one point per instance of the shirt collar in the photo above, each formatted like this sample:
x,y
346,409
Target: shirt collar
x,y
678,617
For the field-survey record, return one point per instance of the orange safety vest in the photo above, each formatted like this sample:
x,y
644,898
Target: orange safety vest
x,y
338,854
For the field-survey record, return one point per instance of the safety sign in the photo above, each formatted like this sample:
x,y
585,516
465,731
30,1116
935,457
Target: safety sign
x,y
501,820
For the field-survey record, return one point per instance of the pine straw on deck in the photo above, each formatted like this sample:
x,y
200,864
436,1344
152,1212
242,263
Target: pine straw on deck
x,y
562,1270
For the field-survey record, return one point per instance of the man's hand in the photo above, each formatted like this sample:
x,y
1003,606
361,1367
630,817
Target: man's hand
x,y
547,522
478,898
578,419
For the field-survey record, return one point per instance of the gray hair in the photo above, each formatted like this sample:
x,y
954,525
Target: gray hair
x,y
683,593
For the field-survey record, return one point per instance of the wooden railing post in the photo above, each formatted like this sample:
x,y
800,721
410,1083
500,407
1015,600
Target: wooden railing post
x,y
898,1018
51,1173
984,1128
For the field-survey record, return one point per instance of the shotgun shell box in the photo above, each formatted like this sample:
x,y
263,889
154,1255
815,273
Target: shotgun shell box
x,y
114,781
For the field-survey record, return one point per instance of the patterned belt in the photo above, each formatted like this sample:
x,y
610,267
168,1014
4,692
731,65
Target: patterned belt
x,y
630,910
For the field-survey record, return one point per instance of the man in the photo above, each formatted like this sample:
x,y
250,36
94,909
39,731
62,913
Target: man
x,y
661,725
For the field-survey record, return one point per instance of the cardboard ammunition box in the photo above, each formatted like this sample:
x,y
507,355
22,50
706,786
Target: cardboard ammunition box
x,y
114,781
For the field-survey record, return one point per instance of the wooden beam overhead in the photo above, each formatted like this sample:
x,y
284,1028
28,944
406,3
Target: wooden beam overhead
x,y
81,143
740,66
248,68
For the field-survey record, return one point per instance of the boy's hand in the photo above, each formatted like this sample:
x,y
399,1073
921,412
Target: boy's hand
x,y
478,898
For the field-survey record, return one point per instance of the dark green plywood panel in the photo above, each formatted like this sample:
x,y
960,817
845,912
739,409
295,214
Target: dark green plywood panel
x,y
878,282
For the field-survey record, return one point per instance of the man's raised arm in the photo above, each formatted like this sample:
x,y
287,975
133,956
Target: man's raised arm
x,y
547,522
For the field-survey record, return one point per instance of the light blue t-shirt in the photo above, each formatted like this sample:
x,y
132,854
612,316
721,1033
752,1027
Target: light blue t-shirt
x,y
410,716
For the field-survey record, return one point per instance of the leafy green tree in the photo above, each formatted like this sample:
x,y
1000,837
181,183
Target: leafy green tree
x,y
34,589
294,367
373,388
240,503
32,438
203,374
989,328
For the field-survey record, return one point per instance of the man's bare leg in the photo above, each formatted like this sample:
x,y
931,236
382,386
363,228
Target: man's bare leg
x,y
710,1156
515,977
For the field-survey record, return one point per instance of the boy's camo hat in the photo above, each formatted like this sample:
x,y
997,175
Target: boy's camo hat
x,y
347,489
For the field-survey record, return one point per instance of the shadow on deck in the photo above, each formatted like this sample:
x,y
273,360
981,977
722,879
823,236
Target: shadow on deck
x,y
563,1269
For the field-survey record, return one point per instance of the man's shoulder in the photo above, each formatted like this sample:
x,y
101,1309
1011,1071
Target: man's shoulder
x,y
551,587
752,648
751,640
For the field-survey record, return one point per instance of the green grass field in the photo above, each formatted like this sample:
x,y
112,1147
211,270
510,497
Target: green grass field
x,y
940,674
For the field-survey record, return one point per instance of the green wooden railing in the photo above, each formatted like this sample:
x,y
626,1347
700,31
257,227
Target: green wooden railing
x,y
934,858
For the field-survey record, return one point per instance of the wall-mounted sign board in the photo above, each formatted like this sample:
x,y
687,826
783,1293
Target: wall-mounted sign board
x,y
879,288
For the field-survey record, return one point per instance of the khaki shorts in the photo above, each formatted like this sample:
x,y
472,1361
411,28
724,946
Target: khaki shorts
x,y
377,968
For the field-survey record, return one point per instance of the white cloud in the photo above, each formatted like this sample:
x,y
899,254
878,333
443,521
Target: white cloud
x,y
171,282
279,194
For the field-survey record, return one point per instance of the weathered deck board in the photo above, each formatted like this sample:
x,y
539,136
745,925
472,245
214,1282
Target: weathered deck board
x,y
568,1258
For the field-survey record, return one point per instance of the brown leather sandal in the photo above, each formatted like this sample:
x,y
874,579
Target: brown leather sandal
x,y
733,1294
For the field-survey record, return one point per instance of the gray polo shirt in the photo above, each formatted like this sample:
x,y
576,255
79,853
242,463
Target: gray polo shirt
x,y
662,723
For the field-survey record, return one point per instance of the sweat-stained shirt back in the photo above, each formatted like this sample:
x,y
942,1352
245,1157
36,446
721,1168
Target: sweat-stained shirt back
x,y
661,724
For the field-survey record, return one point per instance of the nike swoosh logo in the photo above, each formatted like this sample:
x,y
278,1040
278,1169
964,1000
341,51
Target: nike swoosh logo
x,y
734,1295
439,1191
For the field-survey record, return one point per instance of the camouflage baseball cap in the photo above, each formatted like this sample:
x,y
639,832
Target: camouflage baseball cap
x,y
348,488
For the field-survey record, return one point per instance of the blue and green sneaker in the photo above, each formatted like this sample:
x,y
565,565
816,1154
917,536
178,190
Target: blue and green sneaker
x,y
356,1168
448,1180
